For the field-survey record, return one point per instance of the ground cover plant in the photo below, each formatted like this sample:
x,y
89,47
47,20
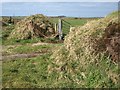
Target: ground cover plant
x,y
88,56
84,60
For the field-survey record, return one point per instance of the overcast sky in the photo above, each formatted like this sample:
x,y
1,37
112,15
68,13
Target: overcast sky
x,y
59,0
71,9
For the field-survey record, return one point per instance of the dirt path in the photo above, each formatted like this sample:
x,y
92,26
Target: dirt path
x,y
24,55
39,43
20,56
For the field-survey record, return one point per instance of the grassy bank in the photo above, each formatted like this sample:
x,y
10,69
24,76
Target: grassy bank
x,y
64,70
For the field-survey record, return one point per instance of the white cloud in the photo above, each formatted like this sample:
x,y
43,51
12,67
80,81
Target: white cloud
x,y
88,5
59,1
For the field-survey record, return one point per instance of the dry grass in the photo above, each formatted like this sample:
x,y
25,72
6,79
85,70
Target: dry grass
x,y
79,62
31,27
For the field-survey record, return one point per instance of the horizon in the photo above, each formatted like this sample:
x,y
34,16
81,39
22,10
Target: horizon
x,y
54,16
53,9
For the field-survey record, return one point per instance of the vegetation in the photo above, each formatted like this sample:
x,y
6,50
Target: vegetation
x,y
88,55
32,27
28,73
72,64
28,48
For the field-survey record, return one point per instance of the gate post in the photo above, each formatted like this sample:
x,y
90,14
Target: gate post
x,y
60,29
55,28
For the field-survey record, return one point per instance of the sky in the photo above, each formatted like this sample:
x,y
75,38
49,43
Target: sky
x,y
59,0
71,9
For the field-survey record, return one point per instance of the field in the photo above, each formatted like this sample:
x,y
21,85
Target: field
x,y
30,71
25,62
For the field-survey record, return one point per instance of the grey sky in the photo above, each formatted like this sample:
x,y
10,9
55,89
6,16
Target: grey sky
x,y
74,9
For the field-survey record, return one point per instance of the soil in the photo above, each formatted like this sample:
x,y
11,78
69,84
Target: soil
x,y
20,56
112,41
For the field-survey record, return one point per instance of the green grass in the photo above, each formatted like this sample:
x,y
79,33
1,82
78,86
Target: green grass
x,y
72,21
26,73
76,22
33,72
0,41
5,41
102,75
28,48
7,30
